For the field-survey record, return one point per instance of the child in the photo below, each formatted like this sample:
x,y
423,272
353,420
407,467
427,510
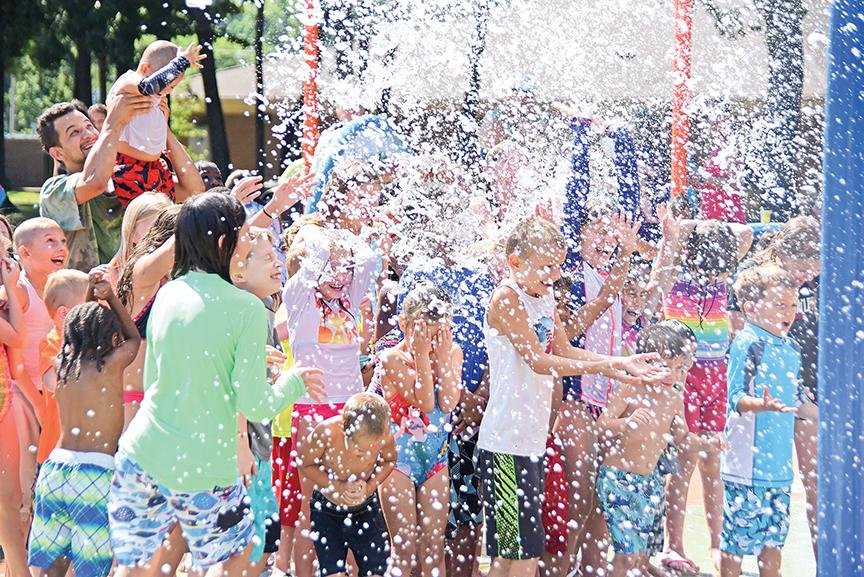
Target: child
x,y
634,430
41,248
698,299
322,301
345,460
70,522
261,275
421,380
14,514
764,391
140,167
182,443
527,345
64,290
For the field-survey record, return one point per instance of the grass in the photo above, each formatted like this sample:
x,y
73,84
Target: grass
x,y
26,201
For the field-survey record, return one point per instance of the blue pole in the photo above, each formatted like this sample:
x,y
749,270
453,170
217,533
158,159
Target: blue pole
x,y
841,339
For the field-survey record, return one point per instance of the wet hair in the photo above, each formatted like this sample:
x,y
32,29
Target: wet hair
x,y
668,338
427,301
204,221
753,284
88,335
712,249
532,236
798,239
26,232
62,287
220,190
45,124
159,233
366,413
146,206
348,175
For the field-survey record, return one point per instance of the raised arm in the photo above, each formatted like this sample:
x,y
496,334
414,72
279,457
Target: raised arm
x,y
588,313
189,181
150,269
100,289
11,334
99,166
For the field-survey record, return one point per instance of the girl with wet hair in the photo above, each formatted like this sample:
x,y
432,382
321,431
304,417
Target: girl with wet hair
x,y
421,379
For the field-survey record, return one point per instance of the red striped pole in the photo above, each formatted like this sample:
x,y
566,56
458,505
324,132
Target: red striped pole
x,y
683,22
310,86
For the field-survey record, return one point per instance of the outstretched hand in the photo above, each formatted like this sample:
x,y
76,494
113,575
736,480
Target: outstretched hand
x,y
769,403
626,231
193,55
642,369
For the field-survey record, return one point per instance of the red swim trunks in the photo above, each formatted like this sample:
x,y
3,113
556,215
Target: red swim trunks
x,y
286,478
555,500
705,397
133,177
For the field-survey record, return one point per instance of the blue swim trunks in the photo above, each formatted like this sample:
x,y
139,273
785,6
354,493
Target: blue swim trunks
x,y
70,513
631,504
265,510
216,524
754,518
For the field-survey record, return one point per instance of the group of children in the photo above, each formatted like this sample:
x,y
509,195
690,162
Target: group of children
x,y
560,390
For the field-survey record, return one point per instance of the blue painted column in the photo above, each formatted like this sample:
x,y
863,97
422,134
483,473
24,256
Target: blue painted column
x,y
841,339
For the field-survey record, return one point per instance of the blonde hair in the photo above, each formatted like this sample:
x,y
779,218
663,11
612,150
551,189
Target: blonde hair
x,y
753,284
26,232
532,236
63,287
366,413
427,301
148,205
798,239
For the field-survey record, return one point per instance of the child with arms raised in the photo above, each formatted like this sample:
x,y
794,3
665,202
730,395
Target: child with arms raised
x,y
345,460
421,380
71,498
139,165
527,346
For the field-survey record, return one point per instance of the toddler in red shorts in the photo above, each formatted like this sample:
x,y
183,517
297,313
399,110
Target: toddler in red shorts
x,y
140,166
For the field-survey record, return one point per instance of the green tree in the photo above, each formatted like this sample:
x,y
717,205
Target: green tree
x,y
16,30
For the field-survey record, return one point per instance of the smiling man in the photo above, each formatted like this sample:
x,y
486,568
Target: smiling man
x,y
82,201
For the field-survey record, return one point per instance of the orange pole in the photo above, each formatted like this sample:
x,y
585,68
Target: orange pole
x,y
681,93
310,86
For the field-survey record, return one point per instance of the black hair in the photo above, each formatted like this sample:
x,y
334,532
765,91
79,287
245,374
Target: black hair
x,y
712,249
669,338
88,335
204,221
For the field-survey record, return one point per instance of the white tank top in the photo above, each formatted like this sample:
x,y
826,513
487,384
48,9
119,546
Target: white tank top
x,y
147,132
37,324
516,421
602,337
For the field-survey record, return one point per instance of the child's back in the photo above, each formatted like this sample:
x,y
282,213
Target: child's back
x,y
71,499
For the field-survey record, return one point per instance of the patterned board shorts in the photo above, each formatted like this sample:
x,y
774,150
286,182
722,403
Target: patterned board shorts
x,y
754,518
216,524
631,505
71,513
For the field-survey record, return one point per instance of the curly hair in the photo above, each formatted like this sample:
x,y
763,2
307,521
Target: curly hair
x,y
88,335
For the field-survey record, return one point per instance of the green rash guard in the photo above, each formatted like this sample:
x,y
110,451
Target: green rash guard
x,y
205,362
